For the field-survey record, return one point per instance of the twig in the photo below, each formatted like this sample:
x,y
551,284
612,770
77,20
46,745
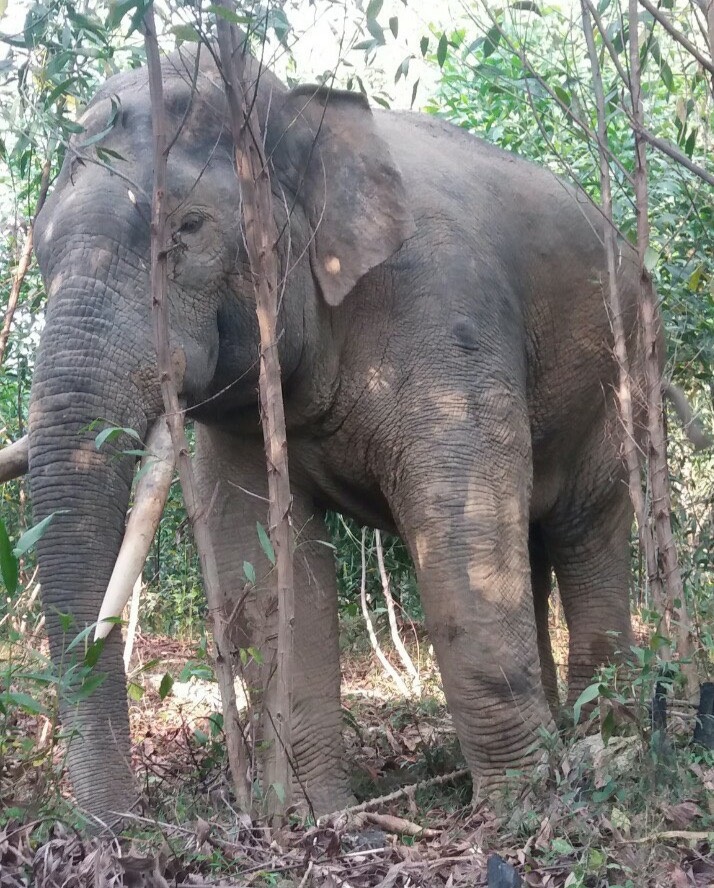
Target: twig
x,y
376,647
175,419
677,35
404,792
394,629
688,835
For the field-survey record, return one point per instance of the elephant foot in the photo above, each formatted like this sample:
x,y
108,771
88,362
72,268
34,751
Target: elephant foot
x,y
324,799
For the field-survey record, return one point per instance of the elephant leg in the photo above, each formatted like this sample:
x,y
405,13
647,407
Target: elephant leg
x,y
468,534
541,572
589,543
232,474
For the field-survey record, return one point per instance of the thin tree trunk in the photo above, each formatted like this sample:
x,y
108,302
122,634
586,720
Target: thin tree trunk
x,y
624,392
261,237
658,470
388,668
23,265
237,753
407,661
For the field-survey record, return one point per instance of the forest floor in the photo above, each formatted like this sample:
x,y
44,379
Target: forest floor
x,y
629,812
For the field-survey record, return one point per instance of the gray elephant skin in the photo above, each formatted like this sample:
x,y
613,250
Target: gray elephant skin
x,y
448,375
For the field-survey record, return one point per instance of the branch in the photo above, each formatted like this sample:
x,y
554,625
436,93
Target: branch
x,y
261,238
669,575
175,419
678,36
624,392
24,263
382,657
394,629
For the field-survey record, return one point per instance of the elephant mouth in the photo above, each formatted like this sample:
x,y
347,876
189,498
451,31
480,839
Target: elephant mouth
x,y
152,490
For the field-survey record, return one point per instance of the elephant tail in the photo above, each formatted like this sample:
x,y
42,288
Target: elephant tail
x,y
691,423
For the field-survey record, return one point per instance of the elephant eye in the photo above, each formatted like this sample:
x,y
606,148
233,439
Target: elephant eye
x,y
191,224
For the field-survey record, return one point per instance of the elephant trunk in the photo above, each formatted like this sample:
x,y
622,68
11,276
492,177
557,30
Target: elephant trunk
x,y
79,380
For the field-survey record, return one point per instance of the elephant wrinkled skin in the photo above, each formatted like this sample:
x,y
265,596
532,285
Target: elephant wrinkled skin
x,y
448,375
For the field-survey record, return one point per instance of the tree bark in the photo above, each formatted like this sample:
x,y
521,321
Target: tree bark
x,y
671,578
235,743
261,237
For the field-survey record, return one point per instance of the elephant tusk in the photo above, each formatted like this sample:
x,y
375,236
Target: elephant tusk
x,y
13,460
152,490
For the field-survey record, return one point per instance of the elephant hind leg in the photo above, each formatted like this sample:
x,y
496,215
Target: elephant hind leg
x,y
541,576
588,541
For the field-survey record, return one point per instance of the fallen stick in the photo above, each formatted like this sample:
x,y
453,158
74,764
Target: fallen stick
x,y
404,792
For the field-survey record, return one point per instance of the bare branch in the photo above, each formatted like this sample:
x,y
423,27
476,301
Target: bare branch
x,y
24,264
678,36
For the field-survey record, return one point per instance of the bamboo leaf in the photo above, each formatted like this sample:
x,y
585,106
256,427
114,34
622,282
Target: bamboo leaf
x,y
265,543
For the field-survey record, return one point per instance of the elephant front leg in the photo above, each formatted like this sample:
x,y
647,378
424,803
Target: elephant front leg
x,y
468,533
232,475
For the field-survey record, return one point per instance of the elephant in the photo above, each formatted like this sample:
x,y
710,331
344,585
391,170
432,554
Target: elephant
x,y
447,372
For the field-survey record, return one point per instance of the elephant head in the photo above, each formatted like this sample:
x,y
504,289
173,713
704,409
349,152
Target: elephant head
x,y
340,210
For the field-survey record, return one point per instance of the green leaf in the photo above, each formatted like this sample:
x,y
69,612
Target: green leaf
x,y
112,433
527,6
229,15
424,45
608,727
592,692
167,683
651,258
279,791
441,50
109,126
414,92
200,671
93,653
376,30
563,95
134,690
20,700
35,533
666,75
185,34
265,543
8,562
374,7
694,279
690,143
394,26
249,572
81,637
88,687
493,38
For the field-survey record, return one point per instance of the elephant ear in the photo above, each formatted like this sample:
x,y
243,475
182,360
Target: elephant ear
x,y
327,152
